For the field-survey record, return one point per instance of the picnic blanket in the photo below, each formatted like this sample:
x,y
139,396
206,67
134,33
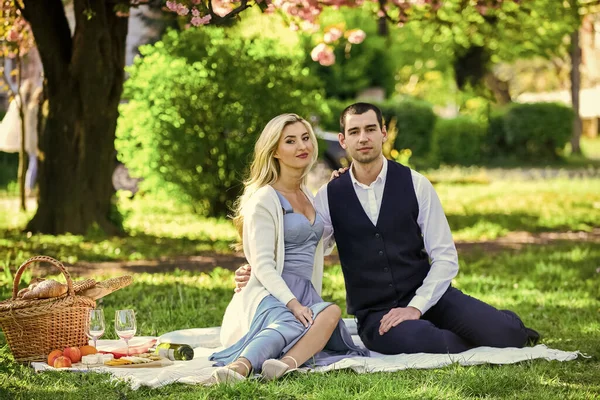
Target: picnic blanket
x,y
206,341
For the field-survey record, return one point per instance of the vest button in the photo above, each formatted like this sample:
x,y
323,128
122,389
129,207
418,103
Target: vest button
x,y
377,235
390,285
386,269
380,252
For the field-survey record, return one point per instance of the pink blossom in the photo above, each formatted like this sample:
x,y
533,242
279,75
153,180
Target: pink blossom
x,y
221,7
323,54
182,10
482,9
308,26
197,21
195,12
327,59
316,52
196,2
356,36
171,5
332,35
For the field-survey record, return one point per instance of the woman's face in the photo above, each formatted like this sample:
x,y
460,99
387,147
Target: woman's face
x,y
295,148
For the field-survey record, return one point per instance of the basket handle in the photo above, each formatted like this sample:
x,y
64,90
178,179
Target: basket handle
x,y
56,263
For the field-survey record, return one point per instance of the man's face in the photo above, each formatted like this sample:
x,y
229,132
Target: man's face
x,y
363,139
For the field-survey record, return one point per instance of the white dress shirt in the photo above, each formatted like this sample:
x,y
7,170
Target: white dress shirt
x,y
431,219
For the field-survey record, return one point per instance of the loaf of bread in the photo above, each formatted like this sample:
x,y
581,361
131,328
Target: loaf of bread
x,y
32,284
45,290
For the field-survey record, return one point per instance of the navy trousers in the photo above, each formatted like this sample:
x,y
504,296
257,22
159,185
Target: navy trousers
x,y
457,323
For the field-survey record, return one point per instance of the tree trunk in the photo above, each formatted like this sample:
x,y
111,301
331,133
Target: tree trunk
x,y
575,86
83,83
382,23
499,88
22,104
22,155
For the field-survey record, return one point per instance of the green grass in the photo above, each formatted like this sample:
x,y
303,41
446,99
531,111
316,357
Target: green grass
x,y
159,228
489,211
156,228
555,289
591,147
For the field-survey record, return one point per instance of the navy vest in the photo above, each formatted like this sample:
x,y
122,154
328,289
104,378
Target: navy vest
x,y
383,264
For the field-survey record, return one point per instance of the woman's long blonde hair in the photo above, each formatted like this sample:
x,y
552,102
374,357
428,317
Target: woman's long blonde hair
x,y
265,169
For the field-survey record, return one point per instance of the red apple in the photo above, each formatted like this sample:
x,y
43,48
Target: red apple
x,y
62,362
73,353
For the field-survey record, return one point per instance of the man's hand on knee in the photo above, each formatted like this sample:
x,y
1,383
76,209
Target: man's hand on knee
x,y
242,275
396,316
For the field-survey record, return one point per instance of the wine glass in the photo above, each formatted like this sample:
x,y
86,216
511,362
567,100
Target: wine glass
x,y
94,327
125,325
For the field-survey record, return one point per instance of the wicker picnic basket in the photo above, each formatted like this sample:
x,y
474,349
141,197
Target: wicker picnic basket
x,y
33,328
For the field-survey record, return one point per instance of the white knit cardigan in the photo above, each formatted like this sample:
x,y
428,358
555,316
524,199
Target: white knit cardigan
x,y
264,249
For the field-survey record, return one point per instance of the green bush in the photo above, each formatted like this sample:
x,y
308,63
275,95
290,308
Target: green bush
x,y
9,166
538,130
330,119
415,121
197,102
458,141
496,144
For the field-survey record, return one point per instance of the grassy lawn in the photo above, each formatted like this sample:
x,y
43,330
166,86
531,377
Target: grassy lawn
x,y
159,228
488,211
554,287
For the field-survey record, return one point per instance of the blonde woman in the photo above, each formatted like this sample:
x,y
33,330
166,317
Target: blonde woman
x,y
279,321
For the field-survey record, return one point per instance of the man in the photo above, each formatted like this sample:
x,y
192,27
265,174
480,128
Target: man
x,y
397,254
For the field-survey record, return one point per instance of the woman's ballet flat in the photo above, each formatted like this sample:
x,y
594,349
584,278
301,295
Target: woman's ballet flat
x,y
274,369
227,375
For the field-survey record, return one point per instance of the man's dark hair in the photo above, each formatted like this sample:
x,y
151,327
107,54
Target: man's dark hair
x,y
359,108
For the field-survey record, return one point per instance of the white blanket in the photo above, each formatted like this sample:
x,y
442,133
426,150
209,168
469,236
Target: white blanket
x,y
199,370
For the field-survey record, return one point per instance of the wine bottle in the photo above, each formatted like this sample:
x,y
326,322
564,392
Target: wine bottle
x,y
174,351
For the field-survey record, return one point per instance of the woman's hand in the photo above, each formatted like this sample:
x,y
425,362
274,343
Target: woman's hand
x,y
302,314
242,276
337,172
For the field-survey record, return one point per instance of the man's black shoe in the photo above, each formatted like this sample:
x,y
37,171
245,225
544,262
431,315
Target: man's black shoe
x,y
533,337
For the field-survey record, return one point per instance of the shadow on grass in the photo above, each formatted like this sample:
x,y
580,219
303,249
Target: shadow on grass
x,y
72,248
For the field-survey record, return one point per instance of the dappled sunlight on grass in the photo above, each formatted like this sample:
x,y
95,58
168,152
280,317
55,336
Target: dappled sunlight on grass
x,y
490,211
166,218
74,248
554,287
11,216
155,228
158,227
565,315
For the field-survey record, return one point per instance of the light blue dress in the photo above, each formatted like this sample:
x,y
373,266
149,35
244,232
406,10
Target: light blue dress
x,y
274,329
